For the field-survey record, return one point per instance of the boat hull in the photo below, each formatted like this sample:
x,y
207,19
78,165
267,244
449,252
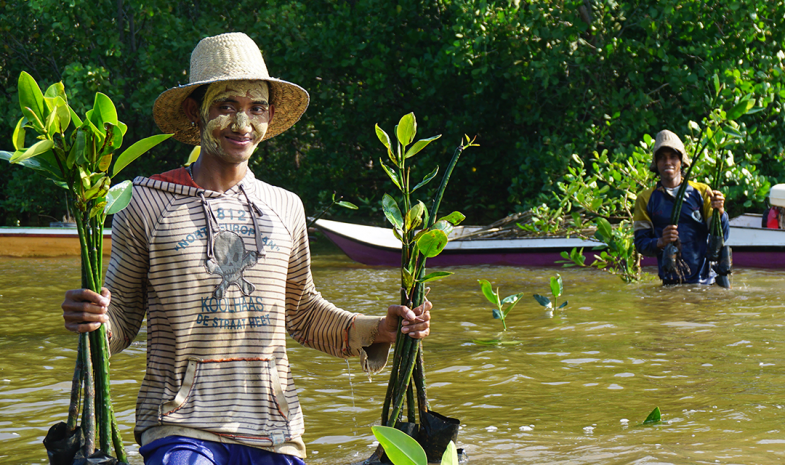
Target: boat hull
x,y
44,242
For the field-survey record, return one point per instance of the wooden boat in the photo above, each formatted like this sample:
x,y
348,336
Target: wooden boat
x,y
752,245
44,242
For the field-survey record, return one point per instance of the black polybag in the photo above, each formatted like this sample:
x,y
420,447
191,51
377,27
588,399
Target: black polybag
x,y
61,449
435,433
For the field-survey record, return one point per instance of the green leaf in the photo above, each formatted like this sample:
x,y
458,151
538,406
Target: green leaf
x,y
45,163
30,96
345,204
56,90
443,226
455,218
732,132
36,149
392,212
497,314
133,152
392,174
114,139
542,300
406,278
414,216
406,130
426,179
419,145
118,197
383,137
400,448
487,291
741,108
19,135
654,417
434,276
513,300
450,456
556,286
563,305
432,243
604,229
716,84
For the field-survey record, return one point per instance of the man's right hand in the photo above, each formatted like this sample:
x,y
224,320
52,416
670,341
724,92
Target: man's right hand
x,y
84,310
669,234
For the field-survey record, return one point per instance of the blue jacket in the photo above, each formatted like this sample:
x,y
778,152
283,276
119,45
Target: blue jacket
x,y
653,209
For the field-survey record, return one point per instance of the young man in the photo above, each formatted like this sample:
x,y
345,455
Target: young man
x,y
652,217
219,263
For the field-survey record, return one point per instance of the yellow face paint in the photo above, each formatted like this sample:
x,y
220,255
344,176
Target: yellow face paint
x,y
236,121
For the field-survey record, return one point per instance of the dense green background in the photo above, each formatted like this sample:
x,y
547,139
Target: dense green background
x,y
536,81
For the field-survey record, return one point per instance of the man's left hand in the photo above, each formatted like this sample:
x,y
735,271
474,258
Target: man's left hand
x,y
718,201
416,323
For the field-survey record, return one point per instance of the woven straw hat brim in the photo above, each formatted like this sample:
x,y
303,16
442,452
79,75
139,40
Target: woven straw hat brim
x,y
290,101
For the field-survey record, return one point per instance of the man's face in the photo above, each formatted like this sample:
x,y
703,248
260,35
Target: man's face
x,y
235,116
669,167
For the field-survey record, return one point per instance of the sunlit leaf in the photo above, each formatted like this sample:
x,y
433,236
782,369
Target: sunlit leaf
x,y
36,149
30,96
19,135
406,129
133,152
392,174
487,291
194,155
406,278
419,145
432,243
513,300
556,286
45,163
434,276
400,448
450,456
414,216
455,218
654,417
104,111
118,197
105,162
98,208
443,226
385,140
392,212
345,204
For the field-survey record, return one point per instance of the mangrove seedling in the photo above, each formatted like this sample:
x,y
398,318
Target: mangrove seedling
x,y
557,286
77,154
339,202
402,449
502,307
654,417
423,234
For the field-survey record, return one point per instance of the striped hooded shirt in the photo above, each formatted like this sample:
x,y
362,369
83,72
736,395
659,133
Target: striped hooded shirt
x,y
222,277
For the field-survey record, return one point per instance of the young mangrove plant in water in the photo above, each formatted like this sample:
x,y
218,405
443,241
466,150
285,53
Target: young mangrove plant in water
x,y
77,154
502,308
557,287
423,234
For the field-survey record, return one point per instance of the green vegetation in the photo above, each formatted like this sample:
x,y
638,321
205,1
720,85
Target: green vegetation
x,y
402,449
538,81
77,154
502,307
654,417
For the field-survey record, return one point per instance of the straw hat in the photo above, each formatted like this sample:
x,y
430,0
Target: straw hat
x,y
667,139
228,57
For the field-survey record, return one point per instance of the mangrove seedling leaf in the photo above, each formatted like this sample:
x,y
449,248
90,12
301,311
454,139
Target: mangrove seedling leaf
x,y
542,300
56,90
392,174
443,226
512,300
450,456
419,145
391,211
497,314
45,163
426,179
345,204
400,448
434,276
455,218
118,197
487,291
414,216
385,140
19,135
563,305
194,155
103,111
487,342
133,152
98,208
407,278
406,129
36,149
30,96
432,243
556,286
105,162
654,417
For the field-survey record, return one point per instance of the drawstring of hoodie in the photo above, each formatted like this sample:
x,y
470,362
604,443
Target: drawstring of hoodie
x,y
255,210
210,219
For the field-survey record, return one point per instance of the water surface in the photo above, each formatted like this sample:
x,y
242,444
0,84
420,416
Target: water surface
x,y
573,390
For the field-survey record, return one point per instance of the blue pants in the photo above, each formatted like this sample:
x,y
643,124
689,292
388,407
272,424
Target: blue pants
x,y
179,450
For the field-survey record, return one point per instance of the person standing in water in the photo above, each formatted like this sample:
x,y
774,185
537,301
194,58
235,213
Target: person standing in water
x,y
219,263
654,206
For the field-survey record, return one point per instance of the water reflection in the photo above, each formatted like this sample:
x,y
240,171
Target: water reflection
x,y
574,390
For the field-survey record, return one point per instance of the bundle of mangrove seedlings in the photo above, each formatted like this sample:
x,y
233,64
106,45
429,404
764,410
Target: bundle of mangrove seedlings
x,y
77,153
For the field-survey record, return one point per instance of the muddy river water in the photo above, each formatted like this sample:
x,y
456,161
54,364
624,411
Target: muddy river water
x,y
575,388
